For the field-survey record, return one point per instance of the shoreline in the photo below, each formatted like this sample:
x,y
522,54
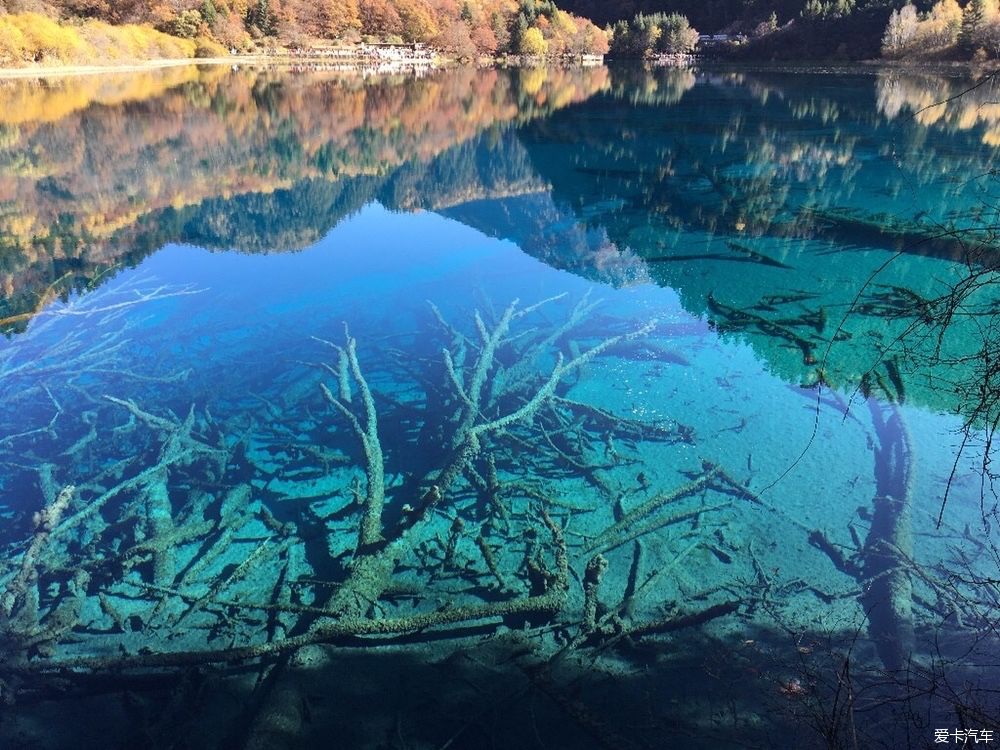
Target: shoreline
x,y
50,71
358,63
60,71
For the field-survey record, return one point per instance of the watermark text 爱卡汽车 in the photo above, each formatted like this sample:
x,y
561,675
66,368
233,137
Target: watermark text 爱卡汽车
x,y
963,736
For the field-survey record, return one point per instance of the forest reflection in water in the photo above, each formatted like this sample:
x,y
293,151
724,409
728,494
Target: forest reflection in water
x,y
620,175
759,262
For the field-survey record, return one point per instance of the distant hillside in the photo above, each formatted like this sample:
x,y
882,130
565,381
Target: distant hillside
x,y
105,30
247,159
713,16
805,30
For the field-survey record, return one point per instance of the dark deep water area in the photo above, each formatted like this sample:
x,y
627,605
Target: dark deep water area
x,y
541,408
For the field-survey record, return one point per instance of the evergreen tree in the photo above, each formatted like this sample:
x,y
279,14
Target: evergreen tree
x,y
842,8
209,12
814,10
647,35
518,30
261,16
975,18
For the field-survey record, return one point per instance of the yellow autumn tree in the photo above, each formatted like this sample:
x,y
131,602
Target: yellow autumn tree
x,y
419,24
47,40
533,43
941,27
341,16
12,42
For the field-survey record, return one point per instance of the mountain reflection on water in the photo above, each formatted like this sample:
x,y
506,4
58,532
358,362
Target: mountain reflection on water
x,y
737,390
724,186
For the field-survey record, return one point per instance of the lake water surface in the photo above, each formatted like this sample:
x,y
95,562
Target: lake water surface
x,y
547,408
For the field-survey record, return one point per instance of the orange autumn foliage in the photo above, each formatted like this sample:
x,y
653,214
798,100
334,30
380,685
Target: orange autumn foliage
x,y
73,31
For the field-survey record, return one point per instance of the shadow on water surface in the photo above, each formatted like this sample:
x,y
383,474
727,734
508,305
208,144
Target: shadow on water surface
x,y
259,492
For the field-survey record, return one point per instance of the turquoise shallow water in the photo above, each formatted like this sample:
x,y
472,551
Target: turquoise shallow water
x,y
664,342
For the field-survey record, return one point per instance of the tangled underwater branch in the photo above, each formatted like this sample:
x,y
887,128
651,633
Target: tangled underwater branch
x,y
116,565
370,510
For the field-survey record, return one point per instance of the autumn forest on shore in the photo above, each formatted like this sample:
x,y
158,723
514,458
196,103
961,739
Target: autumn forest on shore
x,y
101,32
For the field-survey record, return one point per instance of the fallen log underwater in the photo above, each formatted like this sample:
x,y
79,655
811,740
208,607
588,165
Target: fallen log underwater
x,y
851,229
887,594
883,564
489,396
